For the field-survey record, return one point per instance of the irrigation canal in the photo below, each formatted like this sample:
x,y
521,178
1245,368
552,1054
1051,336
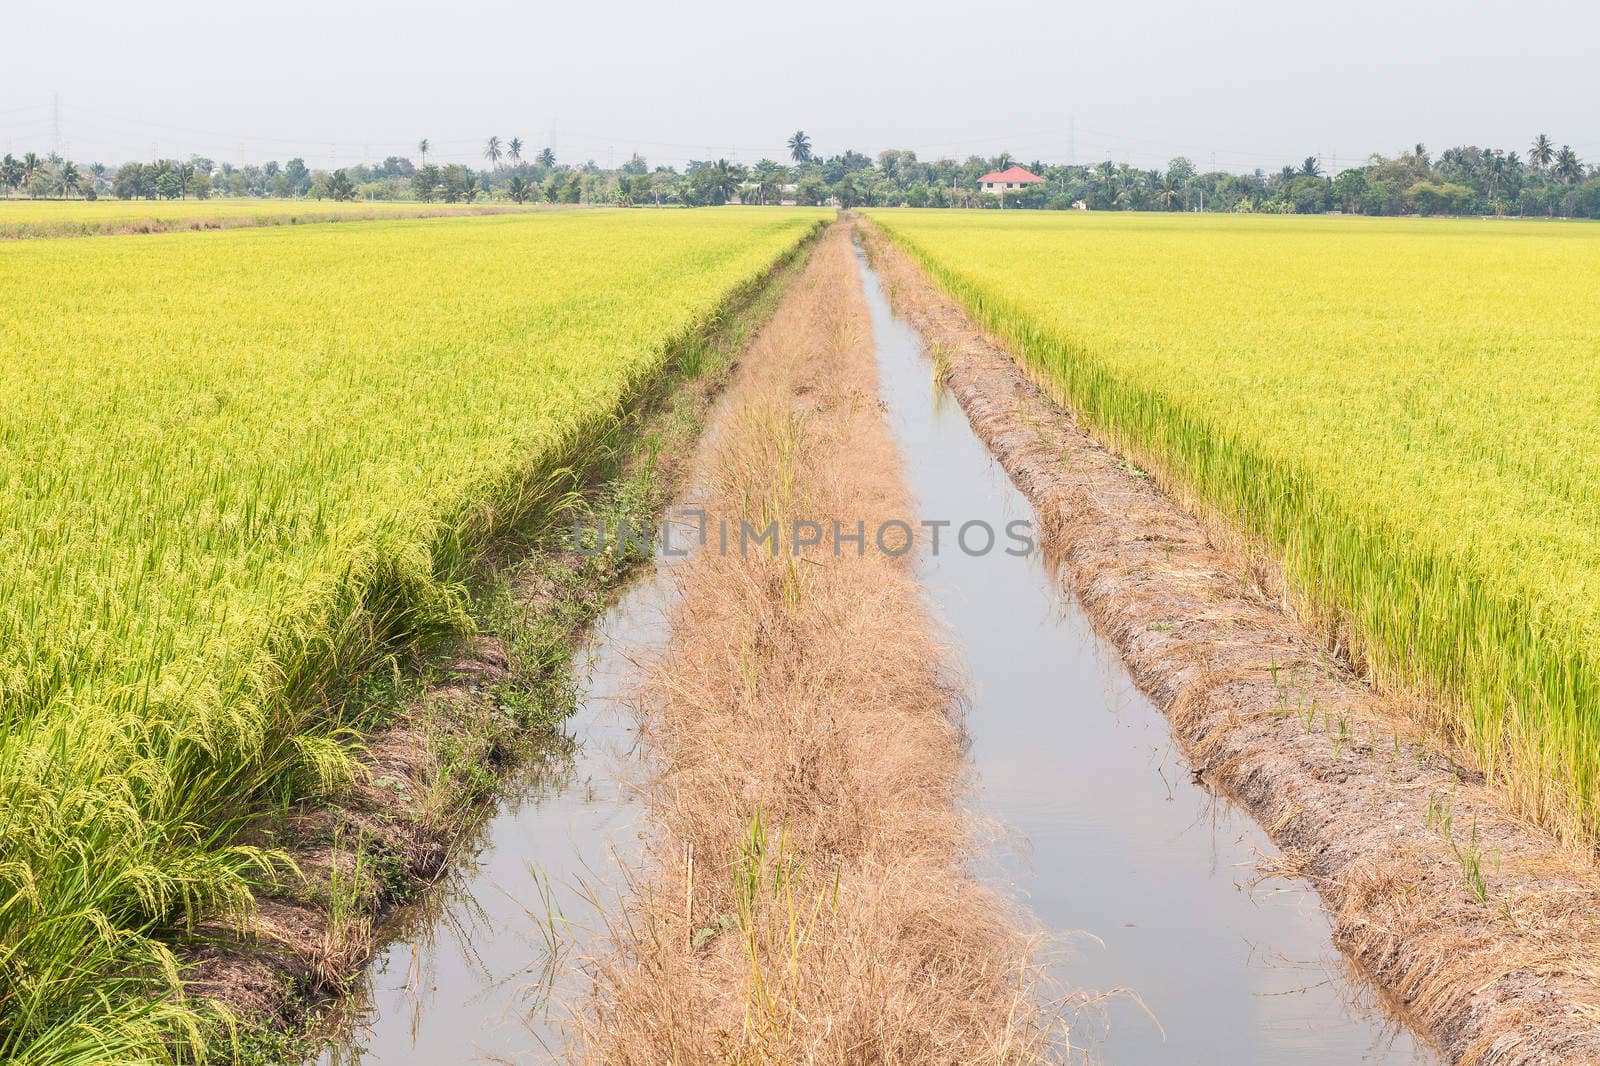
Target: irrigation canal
x,y
1141,879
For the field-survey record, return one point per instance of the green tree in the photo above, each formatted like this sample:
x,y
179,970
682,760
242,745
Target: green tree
x,y
547,157
68,178
765,175
1167,193
298,176
800,147
456,184
728,177
519,188
1568,167
340,187
422,150
1348,187
168,184
128,182
10,173
1311,168
425,182
1542,153
491,152
514,151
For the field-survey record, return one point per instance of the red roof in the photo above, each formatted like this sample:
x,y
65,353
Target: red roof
x,y
1013,174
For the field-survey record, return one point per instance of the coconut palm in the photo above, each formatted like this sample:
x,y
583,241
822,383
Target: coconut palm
x,y
547,158
422,150
1167,189
800,147
1568,167
514,151
765,174
10,173
1311,168
519,188
69,177
491,151
1542,152
726,178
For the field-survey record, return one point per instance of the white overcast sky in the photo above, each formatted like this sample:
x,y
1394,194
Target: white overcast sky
x,y
1241,85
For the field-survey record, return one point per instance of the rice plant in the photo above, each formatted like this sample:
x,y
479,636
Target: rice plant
x,y
234,470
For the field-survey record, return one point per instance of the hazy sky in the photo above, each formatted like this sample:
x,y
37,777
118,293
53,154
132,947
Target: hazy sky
x,y
1254,83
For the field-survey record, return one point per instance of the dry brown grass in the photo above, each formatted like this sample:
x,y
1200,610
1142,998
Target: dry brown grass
x,y
805,897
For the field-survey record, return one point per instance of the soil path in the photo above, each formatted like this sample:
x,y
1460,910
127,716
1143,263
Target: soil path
x,y
806,896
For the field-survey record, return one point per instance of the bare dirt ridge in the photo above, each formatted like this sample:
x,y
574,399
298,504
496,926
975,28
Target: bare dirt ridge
x,y
1485,931
804,896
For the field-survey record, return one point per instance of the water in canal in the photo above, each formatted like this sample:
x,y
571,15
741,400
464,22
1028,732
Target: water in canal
x,y
475,974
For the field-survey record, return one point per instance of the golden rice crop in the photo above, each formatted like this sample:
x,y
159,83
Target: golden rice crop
x,y
1407,411
71,218
232,465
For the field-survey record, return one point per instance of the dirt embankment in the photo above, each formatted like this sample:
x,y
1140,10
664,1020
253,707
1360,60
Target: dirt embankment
x,y
1486,931
804,896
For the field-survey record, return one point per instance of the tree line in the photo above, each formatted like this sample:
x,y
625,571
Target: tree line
x,y
1547,181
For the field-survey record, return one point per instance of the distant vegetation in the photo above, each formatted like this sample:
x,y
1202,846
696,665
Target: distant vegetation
x,y
1546,180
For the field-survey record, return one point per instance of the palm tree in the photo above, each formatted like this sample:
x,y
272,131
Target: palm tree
x,y
1542,153
800,147
69,177
519,188
422,150
30,164
1421,152
10,173
1568,167
725,179
1311,168
764,174
1494,166
1168,194
491,151
514,150
547,158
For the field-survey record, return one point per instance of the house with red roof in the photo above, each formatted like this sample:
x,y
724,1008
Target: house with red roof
x,y
1013,177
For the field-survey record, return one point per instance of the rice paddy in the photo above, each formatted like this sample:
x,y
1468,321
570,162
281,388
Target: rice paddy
x,y
233,467
73,218
1406,412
